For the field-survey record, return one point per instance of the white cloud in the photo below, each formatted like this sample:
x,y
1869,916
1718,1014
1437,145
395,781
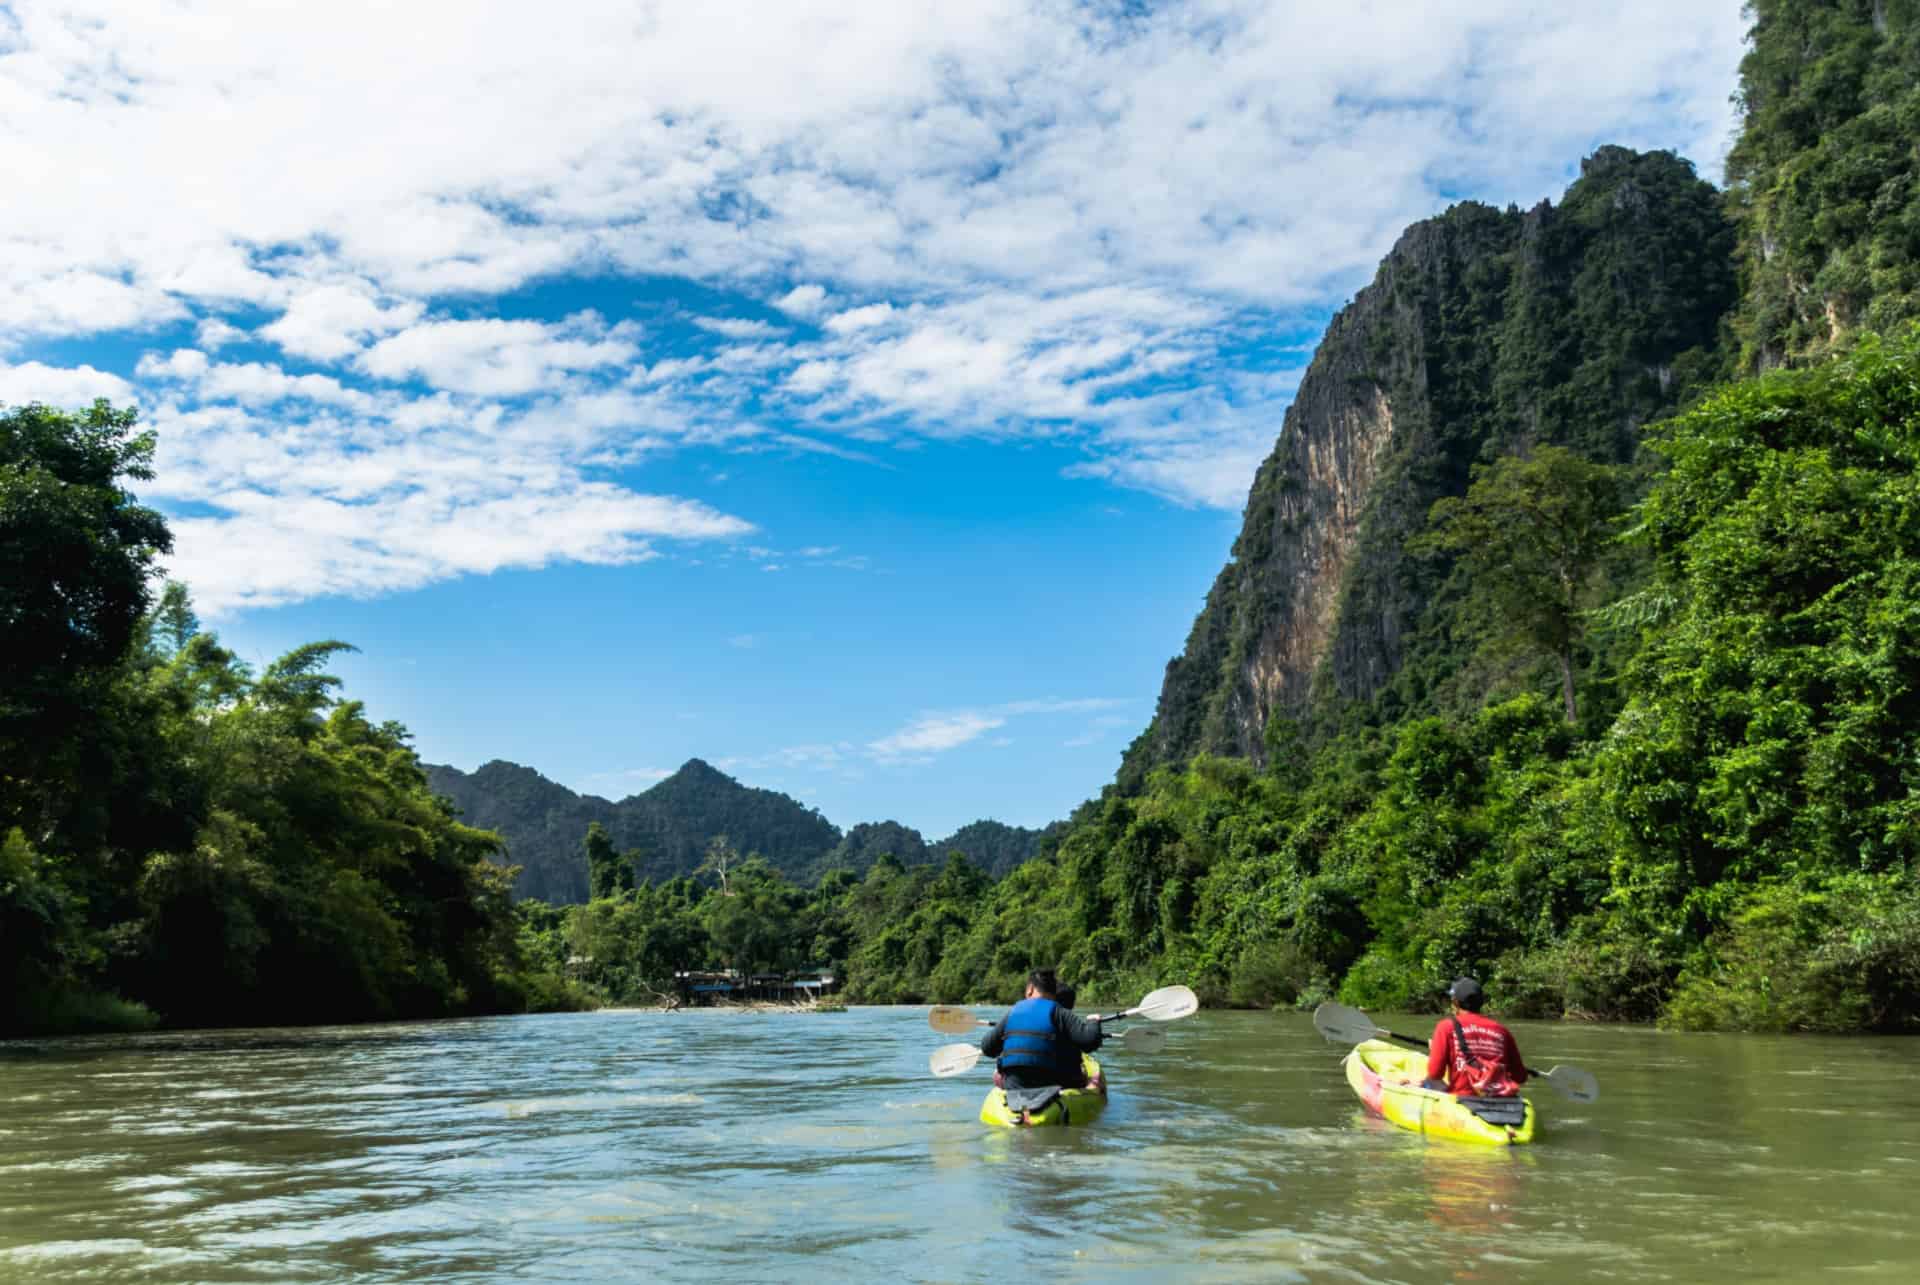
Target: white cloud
x,y
213,334
329,322
803,301
494,358
1261,151
738,327
932,734
303,488
250,383
857,319
64,386
1084,706
266,550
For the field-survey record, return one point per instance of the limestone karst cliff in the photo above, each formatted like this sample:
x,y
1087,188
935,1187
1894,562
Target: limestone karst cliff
x,y
1484,330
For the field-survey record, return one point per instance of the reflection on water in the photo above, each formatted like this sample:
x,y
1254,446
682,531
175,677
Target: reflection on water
x,y
629,1145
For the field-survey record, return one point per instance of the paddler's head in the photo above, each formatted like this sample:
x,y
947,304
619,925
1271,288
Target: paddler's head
x,y
1466,993
1042,984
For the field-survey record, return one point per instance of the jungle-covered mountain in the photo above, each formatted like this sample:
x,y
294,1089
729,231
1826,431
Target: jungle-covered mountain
x,y
1484,332
668,828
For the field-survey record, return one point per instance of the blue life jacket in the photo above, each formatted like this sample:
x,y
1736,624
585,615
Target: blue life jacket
x,y
1029,1041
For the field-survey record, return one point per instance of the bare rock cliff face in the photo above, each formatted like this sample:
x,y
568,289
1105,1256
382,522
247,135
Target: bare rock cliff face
x,y
1482,331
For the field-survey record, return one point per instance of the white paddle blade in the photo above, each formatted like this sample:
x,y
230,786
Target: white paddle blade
x,y
1144,1039
1576,1084
1343,1025
949,1020
1169,1003
953,1059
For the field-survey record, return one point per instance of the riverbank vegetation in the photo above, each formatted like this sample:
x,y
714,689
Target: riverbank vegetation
x,y
182,837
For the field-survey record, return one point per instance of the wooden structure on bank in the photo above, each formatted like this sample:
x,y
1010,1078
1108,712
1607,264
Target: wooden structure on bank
x,y
694,987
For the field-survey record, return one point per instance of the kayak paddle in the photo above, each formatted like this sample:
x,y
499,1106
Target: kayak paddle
x,y
1163,1005
957,1059
1343,1025
1167,1004
954,1021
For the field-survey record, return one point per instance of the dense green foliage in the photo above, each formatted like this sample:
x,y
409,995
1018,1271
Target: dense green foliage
x,y
183,839
1532,535
1825,174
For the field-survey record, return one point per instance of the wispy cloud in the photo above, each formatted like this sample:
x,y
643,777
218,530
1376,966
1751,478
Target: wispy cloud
x,y
493,358
738,327
933,734
1097,730
305,488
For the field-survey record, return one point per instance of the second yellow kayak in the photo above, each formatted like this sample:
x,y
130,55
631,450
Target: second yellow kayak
x,y
1387,1078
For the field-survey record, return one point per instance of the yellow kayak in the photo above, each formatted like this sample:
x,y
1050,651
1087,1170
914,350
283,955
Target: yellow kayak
x,y
1073,1106
1376,1070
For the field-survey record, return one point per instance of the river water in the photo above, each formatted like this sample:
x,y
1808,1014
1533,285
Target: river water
x,y
788,1147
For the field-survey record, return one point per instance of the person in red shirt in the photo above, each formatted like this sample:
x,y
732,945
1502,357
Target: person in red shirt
x,y
1471,1055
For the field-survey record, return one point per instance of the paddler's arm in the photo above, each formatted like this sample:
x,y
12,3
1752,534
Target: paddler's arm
x,y
1083,1033
1516,1065
992,1042
1437,1059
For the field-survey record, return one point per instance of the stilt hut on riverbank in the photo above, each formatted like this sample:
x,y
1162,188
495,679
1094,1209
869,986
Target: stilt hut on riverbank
x,y
731,986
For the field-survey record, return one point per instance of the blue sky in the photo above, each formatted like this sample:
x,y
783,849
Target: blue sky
x,y
858,397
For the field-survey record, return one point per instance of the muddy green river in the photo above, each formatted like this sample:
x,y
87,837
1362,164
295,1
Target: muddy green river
x,y
795,1147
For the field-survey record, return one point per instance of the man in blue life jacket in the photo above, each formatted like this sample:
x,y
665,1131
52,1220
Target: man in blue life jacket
x,y
1039,1044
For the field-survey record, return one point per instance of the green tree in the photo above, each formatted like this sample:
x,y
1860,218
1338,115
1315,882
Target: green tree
x,y
609,873
1824,178
1532,534
76,559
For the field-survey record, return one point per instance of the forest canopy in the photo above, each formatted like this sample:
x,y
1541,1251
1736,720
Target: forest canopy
x,y
181,837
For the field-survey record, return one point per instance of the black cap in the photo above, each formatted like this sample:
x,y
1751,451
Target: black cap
x,y
1465,991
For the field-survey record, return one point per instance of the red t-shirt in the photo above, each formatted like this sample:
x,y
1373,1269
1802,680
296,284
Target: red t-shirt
x,y
1501,1070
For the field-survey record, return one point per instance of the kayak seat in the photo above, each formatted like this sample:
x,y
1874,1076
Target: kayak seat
x,y
1510,1111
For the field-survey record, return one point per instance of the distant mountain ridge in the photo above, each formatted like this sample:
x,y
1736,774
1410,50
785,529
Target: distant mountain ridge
x,y
671,824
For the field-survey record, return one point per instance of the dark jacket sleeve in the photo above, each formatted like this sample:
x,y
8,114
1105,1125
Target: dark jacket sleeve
x,y
991,1043
1078,1031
